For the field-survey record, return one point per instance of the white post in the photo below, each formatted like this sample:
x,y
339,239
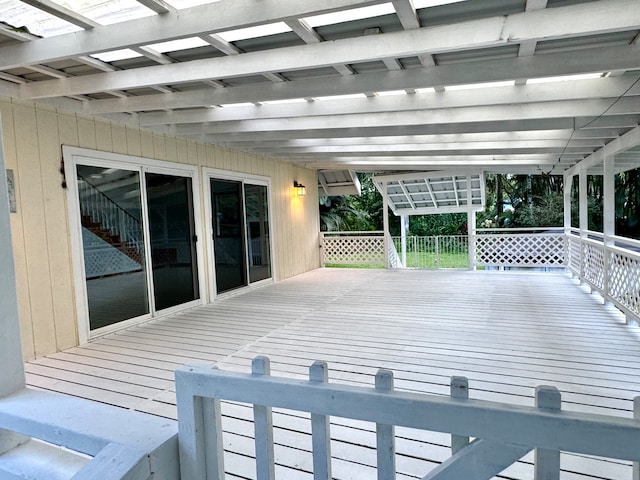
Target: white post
x,y
385,222
584,213
567,182
608,218
11,359
471,226
404,220
10,344
547,462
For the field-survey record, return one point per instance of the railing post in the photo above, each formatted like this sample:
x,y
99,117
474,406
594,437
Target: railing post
x,y
636,416
320,431
437,250
385,434
459,389
263,427
547,462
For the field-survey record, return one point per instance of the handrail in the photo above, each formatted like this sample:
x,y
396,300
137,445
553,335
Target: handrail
x,y
95,189
503,432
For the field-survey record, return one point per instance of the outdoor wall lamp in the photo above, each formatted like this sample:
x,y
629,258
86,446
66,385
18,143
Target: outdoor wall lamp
x,y
301,190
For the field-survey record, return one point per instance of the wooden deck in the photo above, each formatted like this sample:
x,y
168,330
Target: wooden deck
x,y
507,332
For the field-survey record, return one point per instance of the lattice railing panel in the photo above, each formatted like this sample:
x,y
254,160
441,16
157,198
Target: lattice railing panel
x,y
624,280
593,267
521,250
574,256
359,250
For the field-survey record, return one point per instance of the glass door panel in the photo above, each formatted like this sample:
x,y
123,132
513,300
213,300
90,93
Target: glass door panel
x,y
228,234
113,244
172,234
257,221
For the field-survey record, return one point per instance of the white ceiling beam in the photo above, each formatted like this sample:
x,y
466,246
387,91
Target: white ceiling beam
x,y
508,127
209,18
154,55
406,13
582,19
558,145
64,13
158,6
551,64
573,109
583,89
628,140
318,152
553,136
16,33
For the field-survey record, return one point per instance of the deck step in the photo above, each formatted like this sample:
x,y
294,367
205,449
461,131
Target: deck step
x,y
41,460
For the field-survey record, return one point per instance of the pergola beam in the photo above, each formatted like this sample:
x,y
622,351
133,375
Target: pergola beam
x,y
552,64
209,18
582,19
63,13
525,94
582,111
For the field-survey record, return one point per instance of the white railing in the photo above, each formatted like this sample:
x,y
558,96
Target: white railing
x,y
434,252
609,265
353,248
522,247
503,433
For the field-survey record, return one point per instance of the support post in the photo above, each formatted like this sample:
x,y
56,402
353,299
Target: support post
x,y
636,416
12,379
584,215
567,182
385,222
404,223
608,219
471,226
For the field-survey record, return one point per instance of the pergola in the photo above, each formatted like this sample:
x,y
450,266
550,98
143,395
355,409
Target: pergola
x,y
414,90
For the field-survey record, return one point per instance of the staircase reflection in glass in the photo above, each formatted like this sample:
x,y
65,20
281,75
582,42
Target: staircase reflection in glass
x,y
113,244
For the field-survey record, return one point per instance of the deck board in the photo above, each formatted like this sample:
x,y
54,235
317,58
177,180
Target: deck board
x,y
507,332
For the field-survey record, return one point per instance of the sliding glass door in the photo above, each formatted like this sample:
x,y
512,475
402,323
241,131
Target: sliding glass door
x,y
138,242
172,239
240,226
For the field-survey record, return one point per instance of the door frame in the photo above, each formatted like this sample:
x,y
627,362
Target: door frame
x,y
214,173
73,156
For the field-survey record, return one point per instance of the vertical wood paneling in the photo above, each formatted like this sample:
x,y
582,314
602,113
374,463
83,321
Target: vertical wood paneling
x,y
87,133
33,137
134,146
60,274
119,136
35,233
159,147
104,140
146,144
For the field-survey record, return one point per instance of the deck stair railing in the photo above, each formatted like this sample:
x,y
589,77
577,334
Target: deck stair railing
x,y
610,266
110,221
502,433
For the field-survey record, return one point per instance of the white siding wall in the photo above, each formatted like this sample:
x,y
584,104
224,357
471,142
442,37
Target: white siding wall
x,y
33,138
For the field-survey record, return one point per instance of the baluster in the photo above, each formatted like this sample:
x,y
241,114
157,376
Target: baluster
x,y
459,387
636,416
385,434
547,462
320,432
200,434
263,421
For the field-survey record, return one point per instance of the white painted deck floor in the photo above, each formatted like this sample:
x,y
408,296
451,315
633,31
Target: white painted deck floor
x,y
507,332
